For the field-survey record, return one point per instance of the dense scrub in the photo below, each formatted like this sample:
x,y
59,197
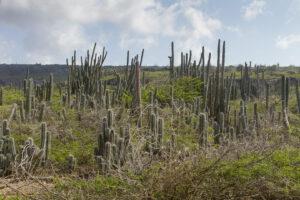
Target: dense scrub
x,y
189,132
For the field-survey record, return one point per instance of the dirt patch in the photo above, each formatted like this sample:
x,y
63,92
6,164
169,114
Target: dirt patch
x,y
25,188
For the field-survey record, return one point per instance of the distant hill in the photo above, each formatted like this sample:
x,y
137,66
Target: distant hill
x,y
15,73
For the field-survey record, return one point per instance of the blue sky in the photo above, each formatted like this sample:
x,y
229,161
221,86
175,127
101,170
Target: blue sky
x,y
39,31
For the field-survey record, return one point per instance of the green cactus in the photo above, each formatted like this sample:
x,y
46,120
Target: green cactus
x,y
7,155
28,104
160,132
287,89
232,134
45,144
108,155
256,116
112,136
22,111
1,96
50,88
283,93
110,118
172,62
217,134
202,133
298,96
222,122
137,94
5,129
127,136
121,151
107,100
71,162
42,112
267,96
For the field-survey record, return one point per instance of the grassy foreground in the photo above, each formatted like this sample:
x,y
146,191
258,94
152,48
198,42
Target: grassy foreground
x,y
266,166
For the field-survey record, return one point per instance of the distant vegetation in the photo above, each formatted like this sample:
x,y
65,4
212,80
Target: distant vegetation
x,y
193,131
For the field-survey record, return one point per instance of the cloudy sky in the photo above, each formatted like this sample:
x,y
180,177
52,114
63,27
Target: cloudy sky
x,y
41,31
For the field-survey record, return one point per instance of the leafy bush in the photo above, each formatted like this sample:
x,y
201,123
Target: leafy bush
x,y
186,88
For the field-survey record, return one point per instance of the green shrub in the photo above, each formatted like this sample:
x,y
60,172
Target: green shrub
x,y
186,88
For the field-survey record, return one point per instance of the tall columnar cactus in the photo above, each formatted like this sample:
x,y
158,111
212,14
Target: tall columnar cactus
x,y
160,132
120,151
5,128
267,96
257,82
111,148
222,87
197,105
108,155
222,122
298,96
7,150
137,96
202,129
284,100
107,100
287,89
127,136
50,88
127,66
172,71
43,135
217,134
110,119
232,134
217,80
1,96
22,111
112,136
153,133
283,93
25,85
243,121
208,69
45,142
69,91
83,102
7,155
71,163
88,73
42,112
28,104
256,116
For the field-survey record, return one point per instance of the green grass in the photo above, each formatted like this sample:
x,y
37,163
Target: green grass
x,y
99,187
277,171
10,198
270,175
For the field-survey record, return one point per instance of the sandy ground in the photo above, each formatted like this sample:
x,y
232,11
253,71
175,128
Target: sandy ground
x,y
22,188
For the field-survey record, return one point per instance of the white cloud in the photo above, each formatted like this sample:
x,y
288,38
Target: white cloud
x,y
286,41
201,25
5,50
254,9
53,29
234,29
142,42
